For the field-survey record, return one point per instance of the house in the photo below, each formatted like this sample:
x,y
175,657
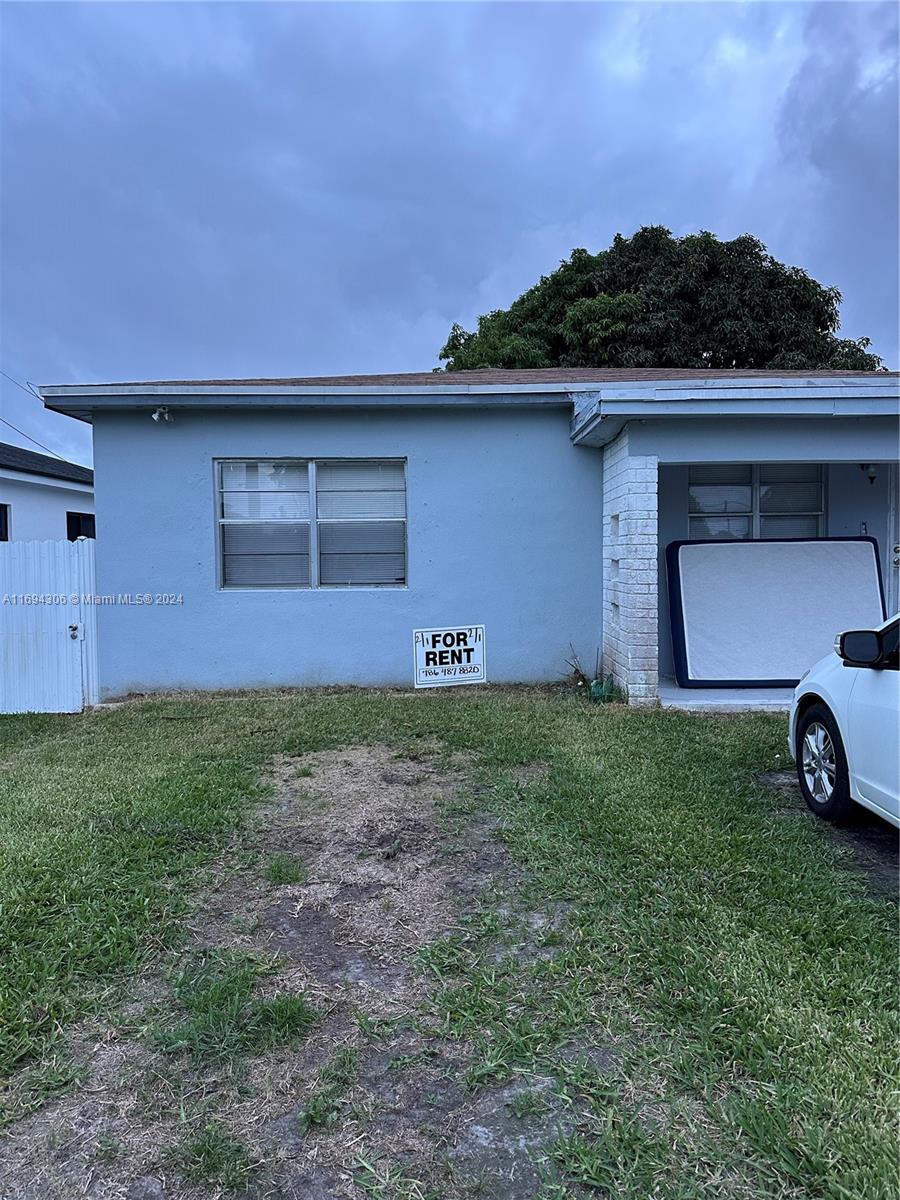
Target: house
x,y
297,531
43,498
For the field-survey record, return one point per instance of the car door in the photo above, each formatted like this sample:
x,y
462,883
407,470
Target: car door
x,y
873,717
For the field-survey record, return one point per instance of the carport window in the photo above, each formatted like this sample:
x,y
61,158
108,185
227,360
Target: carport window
x,y
297,523
742,500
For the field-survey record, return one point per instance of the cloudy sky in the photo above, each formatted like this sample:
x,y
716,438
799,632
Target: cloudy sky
x,y
276,189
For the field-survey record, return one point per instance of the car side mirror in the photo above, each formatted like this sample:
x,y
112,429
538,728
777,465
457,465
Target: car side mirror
x,y
860,648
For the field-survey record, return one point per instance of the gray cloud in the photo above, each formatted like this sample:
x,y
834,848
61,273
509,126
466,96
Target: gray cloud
x,y
297,188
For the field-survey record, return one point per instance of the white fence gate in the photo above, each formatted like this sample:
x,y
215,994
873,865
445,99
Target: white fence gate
x,y
48,628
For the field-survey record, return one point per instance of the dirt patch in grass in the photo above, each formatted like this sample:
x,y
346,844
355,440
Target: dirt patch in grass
x,y
864,842
373,1099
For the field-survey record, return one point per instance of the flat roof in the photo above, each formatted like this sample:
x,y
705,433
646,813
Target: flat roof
x,y
557,386
493,376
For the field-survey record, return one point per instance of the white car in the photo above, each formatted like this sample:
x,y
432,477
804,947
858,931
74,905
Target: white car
x,y
844,725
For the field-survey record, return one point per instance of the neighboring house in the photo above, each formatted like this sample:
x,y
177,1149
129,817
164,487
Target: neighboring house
x,y
43,498
301,529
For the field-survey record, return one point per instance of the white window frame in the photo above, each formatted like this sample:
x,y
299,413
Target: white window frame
x,y
754,514
314,565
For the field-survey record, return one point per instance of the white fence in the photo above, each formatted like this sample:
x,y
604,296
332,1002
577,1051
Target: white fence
x,y
48,628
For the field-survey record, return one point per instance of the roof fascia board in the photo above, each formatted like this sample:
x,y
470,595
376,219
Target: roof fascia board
x,y
746,406
637,389
746,401
598,427
879,381
597,430
747,391
323,394
83,406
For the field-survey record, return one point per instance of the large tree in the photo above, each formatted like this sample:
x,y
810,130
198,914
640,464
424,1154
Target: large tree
x,y
654,300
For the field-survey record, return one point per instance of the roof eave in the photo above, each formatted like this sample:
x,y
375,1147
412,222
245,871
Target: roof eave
x,y
862,395
83,402
449,385
601,421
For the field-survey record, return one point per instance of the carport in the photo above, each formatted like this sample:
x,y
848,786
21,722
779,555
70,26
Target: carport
x,y
731,458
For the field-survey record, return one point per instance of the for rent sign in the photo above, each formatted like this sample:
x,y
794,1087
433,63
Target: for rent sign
x,y
449,656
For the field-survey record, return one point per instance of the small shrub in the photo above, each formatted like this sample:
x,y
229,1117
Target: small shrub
x,y
606,691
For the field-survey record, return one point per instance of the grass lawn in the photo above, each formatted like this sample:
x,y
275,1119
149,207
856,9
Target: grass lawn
x,y
740,975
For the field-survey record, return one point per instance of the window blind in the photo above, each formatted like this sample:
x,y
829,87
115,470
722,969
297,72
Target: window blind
x,y
361,523
774,500
298,523
790,488
264,515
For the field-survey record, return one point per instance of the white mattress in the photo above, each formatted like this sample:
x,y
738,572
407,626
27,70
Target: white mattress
x,y
763,612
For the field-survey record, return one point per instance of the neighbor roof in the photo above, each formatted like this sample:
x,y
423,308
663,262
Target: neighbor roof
x,y
14,458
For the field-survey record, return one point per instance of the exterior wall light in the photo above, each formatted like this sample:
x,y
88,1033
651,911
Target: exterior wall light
x,y
871,471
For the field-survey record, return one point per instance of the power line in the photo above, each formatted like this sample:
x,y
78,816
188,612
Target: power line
x,y
29,390
31,439
27,436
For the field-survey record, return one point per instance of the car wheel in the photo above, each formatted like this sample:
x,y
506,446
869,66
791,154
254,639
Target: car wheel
x,y
822,765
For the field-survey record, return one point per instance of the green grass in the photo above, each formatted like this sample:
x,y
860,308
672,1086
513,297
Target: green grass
x,y
107,1147
284,868
36,1083
530,1103
222,1016
743,979
389,1182
323,1108
99,818
211,1155
717,945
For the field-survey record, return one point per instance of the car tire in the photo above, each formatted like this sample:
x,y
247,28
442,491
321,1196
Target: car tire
x,y
822,765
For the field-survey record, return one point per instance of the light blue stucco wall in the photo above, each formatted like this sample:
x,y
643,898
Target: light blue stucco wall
x,y
857,506
505,528
767,439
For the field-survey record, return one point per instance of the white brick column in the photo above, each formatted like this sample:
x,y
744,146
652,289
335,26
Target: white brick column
x,y
630,571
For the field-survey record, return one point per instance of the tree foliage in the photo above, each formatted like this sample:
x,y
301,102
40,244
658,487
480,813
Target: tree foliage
x,y
654,300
